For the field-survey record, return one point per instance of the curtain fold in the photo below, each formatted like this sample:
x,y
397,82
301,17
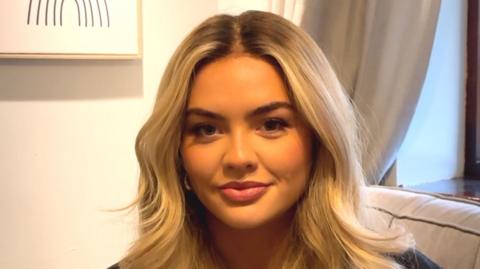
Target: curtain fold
x,y
380,50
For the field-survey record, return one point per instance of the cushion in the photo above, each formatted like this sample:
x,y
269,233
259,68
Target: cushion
x,y
446,229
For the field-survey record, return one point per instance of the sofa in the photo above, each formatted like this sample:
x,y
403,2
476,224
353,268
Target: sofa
x,y
445,228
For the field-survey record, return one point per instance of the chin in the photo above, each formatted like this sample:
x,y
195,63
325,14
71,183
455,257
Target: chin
x,y
252,218
243,224
240,218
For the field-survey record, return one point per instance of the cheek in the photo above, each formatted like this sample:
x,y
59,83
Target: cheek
x,y
289,158
201,162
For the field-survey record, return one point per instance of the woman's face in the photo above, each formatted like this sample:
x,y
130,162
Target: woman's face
x,y
246,151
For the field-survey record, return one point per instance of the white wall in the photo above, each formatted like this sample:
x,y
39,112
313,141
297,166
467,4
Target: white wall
x,y
434,146
67,138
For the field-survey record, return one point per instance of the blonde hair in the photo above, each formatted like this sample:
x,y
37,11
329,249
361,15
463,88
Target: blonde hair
x,y
329,227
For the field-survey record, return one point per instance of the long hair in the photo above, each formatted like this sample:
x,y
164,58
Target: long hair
x,y
329,229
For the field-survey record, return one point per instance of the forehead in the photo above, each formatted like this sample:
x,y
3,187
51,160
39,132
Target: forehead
x,y
237,81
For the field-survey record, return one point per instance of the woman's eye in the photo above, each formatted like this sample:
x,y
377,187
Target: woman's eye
x,y
274,125
205,130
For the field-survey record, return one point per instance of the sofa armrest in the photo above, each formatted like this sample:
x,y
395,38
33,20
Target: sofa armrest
x,y
446,229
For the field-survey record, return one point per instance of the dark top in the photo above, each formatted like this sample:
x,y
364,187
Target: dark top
x,y
411,259
414,259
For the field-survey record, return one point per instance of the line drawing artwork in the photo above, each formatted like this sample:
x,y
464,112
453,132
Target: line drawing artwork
x,y
88,14
71,29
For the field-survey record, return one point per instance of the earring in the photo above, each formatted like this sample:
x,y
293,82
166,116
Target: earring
x,y
186,183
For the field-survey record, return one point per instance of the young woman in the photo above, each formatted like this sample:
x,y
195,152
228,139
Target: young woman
x,y
250,159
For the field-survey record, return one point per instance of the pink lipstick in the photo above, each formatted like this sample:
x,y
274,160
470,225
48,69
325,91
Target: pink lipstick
x,y
243,191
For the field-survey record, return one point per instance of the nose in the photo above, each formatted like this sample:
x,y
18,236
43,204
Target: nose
x,y
240,158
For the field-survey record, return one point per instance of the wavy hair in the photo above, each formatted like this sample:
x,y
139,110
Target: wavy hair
x,y
329,228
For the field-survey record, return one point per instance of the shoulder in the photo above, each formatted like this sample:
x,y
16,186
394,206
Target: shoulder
x,y
414,259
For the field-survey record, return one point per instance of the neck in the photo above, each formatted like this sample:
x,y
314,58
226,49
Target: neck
x,y
250,248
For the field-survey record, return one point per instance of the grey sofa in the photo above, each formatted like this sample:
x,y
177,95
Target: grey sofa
x,y
446,229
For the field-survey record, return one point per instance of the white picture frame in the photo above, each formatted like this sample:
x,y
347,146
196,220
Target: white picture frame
x,y
70,29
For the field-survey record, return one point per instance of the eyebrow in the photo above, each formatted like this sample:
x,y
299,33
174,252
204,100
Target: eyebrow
x,y
257,111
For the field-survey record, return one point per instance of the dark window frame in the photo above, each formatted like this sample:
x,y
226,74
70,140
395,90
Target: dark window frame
x,y
472,116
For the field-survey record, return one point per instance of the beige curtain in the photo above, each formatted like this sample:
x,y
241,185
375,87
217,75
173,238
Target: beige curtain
x,y
381,50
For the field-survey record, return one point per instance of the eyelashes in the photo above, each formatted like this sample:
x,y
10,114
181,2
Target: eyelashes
x,y
269,128
204,130
274,125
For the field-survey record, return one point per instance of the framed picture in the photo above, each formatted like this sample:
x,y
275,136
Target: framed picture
x,y
69,29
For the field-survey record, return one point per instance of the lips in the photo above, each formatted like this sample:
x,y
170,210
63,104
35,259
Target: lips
x,y
243,191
